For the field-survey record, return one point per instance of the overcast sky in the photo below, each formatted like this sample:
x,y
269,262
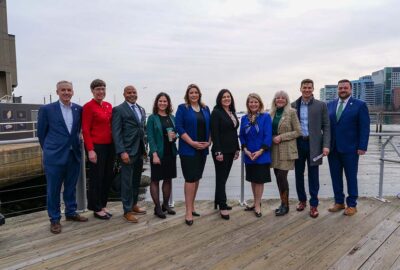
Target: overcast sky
x,y
245,46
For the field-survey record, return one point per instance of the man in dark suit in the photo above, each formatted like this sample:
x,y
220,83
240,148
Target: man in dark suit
x,y
350,126
58,130
315,140
128,128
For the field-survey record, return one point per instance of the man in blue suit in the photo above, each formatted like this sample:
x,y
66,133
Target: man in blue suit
x,y
58,129
349,119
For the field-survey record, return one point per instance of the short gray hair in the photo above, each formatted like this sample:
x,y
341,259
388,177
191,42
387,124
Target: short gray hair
x,y
63,81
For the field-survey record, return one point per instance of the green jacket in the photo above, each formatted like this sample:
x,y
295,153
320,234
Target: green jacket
x,y
155,136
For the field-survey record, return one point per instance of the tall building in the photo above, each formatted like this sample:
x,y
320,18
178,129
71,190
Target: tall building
x,y
363,89
396,99
328,93
385,81
8,62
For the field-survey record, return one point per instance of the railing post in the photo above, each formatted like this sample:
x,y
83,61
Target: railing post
x,y
381,170
81,197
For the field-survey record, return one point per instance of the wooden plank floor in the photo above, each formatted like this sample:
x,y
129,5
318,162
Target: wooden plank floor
x,y
368,240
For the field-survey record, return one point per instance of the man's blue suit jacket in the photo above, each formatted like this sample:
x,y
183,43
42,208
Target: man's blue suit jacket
x,y
53,134
351,132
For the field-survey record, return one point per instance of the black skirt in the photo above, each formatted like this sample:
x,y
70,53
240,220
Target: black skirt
x,y
193,166
165,170
258,173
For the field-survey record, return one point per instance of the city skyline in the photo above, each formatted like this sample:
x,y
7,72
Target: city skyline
x,y
259,46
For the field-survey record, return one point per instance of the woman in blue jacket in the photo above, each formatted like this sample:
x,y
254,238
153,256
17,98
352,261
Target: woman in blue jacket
x,y
256,139
193,126
161,137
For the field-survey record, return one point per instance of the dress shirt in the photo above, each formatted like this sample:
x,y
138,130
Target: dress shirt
x,y
96,123
304,117
137,110
67,115
344,103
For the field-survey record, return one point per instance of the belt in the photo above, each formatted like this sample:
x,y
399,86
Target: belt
x,y
305,138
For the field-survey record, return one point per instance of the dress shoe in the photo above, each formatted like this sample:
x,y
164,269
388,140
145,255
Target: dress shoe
x,y
314,212
282,210
105,217
55,227
301,206
226,217
189,222
109,214
194,213
130,217
138,211
168,209
249,208
349,211
336,207
159,213
77,218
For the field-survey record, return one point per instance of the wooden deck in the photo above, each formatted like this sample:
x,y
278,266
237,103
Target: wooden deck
x,y
368,240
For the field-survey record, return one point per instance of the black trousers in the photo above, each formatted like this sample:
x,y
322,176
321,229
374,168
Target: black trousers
x,y
100,176
222,170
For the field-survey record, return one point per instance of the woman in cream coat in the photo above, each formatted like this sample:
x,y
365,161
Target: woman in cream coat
x,y
285,129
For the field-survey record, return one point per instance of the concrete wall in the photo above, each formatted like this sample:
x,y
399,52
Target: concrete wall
x,y
8,61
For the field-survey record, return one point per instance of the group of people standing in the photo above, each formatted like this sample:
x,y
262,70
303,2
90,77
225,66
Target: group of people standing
x,y
290,136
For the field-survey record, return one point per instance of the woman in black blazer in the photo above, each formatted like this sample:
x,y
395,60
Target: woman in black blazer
x,y
225,148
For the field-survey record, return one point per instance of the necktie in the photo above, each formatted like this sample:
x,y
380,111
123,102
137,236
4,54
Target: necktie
x,y
339,111
135,113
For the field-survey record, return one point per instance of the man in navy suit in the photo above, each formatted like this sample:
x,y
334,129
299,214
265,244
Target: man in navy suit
x,y
58,129
349,119
128,127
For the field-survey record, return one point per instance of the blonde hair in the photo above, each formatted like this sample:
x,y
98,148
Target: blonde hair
x,y
256,97
283,94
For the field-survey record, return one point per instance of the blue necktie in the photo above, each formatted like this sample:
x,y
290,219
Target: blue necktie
x,y
135,113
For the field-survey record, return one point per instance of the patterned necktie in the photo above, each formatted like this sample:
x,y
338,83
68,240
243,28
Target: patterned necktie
x,y
340,110
135,113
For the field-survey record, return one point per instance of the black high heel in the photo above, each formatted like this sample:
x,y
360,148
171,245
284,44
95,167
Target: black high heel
x,y
168,210
189,222
283,210
215,206
194,213
159,213
258,214
226,217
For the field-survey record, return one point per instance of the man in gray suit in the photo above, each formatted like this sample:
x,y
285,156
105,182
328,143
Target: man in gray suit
x,y
312,146
128,128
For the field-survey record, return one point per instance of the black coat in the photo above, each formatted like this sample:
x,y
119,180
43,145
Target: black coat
x,y
223,132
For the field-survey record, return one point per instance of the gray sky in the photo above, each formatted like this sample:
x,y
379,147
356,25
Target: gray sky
x,y
245,46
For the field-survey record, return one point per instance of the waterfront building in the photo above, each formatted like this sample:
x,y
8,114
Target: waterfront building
x,y
385,81
328,93
8,62
363,89
396,99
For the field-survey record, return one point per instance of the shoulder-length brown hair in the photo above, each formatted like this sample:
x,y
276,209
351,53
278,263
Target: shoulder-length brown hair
x,y
187,101
258,98
169,108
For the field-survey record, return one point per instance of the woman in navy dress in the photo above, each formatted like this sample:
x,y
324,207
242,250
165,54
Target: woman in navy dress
x,y
193,126
256,139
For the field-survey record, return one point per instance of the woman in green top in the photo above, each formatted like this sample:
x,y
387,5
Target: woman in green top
x,y
161,137
285,129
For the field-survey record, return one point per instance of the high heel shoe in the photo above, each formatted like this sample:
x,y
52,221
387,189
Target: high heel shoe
x,y
159,213
226,217
168,209
258,214
283,210
194,213
189,222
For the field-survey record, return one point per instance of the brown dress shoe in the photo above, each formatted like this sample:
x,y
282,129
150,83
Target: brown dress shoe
x,y
55,227
336,207
301,206
137,210
349,211
130,217
77,218
314,212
